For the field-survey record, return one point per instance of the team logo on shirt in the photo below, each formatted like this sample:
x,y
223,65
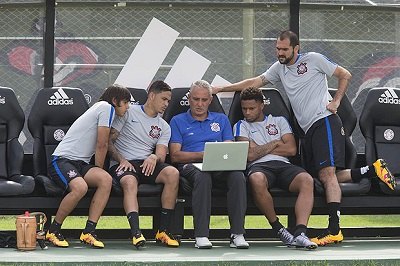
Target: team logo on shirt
x,y
301,68
271,129
155,132
71,173
58,134
215,127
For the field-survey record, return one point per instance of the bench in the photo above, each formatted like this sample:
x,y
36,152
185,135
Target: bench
x,y
368,203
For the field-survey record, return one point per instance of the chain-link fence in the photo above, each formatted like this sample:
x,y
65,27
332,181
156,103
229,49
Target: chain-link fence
x,y
94,39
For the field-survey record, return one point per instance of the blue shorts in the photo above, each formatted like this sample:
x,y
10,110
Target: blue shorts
x,y
325,145
62,170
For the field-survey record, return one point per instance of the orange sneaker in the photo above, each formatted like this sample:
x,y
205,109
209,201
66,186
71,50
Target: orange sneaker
x,y
91,239
167,238
57,239
384,174
327,238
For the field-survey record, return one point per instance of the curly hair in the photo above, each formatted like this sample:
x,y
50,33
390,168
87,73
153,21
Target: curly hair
x,y
252,94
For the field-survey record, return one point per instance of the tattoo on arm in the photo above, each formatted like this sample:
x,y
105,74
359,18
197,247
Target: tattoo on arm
x,y
262,150
114,134
111,148
264,80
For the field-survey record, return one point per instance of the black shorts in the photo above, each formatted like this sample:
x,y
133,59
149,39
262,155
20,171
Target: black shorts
x,y
63,170
325,144
278,173
141,178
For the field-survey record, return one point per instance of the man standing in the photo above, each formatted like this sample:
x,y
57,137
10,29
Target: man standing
x,y
190,132
71,169
133,140
304,78
271,143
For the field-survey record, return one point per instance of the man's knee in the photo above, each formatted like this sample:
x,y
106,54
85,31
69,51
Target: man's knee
x,y
303,181
78,186
306,179
327,175
258,180
202,179
129,183
169,176
104,180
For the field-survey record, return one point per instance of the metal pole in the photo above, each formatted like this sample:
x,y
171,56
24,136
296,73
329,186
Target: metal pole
x,y
248,45
294,16
49,43
397,34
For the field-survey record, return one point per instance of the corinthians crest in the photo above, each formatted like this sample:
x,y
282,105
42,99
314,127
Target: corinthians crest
x,y
301,68
215,127
155,132
271,128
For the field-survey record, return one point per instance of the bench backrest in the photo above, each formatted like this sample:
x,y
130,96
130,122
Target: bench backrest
x,y
11,123
139,96
380,125
53,112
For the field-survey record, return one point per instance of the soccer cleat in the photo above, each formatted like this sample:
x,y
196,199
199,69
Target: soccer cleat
x,y
167,239
328,238
302,241
57,239
138,240
91,239
285,236
238,241
384,174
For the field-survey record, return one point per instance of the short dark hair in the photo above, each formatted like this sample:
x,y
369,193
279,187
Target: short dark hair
x,y
293,38
158,86
117,92
252,94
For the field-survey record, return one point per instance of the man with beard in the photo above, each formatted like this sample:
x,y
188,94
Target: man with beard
x,y
304,78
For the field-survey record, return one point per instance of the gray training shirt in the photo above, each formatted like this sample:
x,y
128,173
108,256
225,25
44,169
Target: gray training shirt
x,y
139,133
80,141
306,86
271,128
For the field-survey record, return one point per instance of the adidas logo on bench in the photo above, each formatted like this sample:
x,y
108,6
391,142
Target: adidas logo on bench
x,y
389,97
60,98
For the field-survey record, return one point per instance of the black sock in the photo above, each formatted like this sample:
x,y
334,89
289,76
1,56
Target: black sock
x,y
363,172
334,217
133,219
55,227
300,228
165,219
276,226
90,227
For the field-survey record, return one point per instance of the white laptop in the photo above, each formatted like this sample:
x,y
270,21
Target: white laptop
x,y
224,156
